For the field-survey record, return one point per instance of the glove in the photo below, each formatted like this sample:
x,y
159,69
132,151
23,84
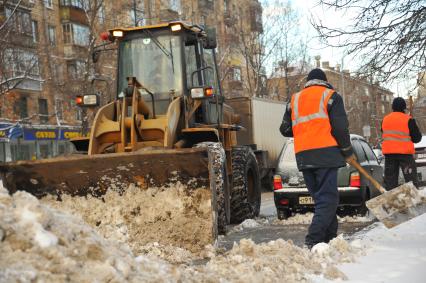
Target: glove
x,y
350,158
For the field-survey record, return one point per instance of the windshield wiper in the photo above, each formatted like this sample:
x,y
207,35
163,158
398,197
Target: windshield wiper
x,y
158,43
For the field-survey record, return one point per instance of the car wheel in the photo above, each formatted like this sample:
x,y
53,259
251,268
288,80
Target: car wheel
x,y
363,210
283,213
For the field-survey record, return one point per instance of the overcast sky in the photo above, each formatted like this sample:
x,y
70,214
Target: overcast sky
x,y
330,17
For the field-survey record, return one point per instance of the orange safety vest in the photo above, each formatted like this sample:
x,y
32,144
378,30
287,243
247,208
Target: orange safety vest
x,y
310,121
396,134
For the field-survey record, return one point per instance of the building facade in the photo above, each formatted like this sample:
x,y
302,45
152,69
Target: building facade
x,y
45,55
366,103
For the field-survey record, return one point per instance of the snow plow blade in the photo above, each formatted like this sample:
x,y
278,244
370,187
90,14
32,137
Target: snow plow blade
x,y
397,205
148,170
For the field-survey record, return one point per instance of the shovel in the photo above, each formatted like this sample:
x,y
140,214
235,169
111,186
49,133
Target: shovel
x,y
395,206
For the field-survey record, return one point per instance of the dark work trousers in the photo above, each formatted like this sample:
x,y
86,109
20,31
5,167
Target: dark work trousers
x,y
408,167
322,185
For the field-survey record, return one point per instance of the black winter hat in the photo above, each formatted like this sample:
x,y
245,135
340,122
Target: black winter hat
x,y
398,104
317,74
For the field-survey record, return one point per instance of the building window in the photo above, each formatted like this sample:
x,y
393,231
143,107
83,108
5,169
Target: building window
x,y
20,21
43,111
76,69
175,5
59,111
74,3
236,74
52,35
35,31
48,4
23,107
76,34
101,14
21,63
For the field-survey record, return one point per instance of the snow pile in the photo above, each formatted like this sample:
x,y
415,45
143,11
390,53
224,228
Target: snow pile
x,y
41,244
141,216
275,261
306,219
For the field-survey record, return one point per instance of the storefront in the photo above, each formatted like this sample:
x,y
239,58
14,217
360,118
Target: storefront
x,y
19,142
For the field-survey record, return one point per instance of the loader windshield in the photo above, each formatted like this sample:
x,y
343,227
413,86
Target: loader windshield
x,y
155,60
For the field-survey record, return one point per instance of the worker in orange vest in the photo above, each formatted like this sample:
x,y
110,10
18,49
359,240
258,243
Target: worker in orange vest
x,y
400,132
317,120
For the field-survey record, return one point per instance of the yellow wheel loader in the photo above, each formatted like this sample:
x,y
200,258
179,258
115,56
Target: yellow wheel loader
x,y
167,122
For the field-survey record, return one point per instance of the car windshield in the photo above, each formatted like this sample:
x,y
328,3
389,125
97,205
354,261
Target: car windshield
x,y
155,61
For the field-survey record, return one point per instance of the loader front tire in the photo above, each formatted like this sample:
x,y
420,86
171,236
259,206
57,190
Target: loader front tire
x,y
221,180
246,185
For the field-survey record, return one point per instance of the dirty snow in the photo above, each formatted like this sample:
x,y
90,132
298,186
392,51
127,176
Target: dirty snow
x,y
68,249
139,215
71,250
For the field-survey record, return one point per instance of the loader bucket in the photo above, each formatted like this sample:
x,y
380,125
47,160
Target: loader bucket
x,y
397,205
95,175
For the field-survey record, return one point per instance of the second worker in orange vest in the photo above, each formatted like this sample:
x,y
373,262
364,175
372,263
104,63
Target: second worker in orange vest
x,y
400,132
317,120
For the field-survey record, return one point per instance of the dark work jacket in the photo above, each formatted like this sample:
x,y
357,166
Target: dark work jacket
x,y
328,157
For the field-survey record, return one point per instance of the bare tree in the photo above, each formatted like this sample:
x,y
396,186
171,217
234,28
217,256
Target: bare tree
x,y
291,52
18,63
387,36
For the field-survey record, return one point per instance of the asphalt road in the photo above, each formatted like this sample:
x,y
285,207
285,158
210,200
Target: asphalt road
x,y
269,232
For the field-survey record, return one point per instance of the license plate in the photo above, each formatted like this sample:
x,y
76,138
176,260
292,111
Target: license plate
x,y
306,200
421,156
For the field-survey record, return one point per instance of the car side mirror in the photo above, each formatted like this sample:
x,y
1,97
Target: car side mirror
x,y
210,42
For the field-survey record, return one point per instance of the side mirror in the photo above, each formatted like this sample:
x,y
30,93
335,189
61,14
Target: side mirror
x,y
210,42
87,100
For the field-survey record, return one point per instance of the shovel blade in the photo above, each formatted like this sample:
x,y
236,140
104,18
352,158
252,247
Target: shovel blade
x,y
397,205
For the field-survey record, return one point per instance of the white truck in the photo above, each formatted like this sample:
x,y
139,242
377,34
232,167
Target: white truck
x,y
261,119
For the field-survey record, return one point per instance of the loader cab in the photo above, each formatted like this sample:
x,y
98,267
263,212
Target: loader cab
x,y
172,60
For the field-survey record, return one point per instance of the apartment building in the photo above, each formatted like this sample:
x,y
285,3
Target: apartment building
x,y
366,102
45,56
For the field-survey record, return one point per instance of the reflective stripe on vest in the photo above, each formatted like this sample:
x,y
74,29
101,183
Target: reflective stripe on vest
x,y
320,114
310,121
396,134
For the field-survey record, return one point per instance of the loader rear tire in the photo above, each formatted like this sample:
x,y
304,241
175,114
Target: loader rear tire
x,y
221,181
246,186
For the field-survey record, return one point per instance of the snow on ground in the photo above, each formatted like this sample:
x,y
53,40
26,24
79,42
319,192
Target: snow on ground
x,y
296,219
39,243
396,255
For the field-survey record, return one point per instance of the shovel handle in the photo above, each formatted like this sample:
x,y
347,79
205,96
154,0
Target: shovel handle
x,y
376,184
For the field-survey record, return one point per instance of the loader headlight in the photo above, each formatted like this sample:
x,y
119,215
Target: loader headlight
x,y
117,33
201,92
176,27
87,100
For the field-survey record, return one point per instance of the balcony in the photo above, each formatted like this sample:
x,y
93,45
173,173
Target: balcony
x,y
71,13
256,17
